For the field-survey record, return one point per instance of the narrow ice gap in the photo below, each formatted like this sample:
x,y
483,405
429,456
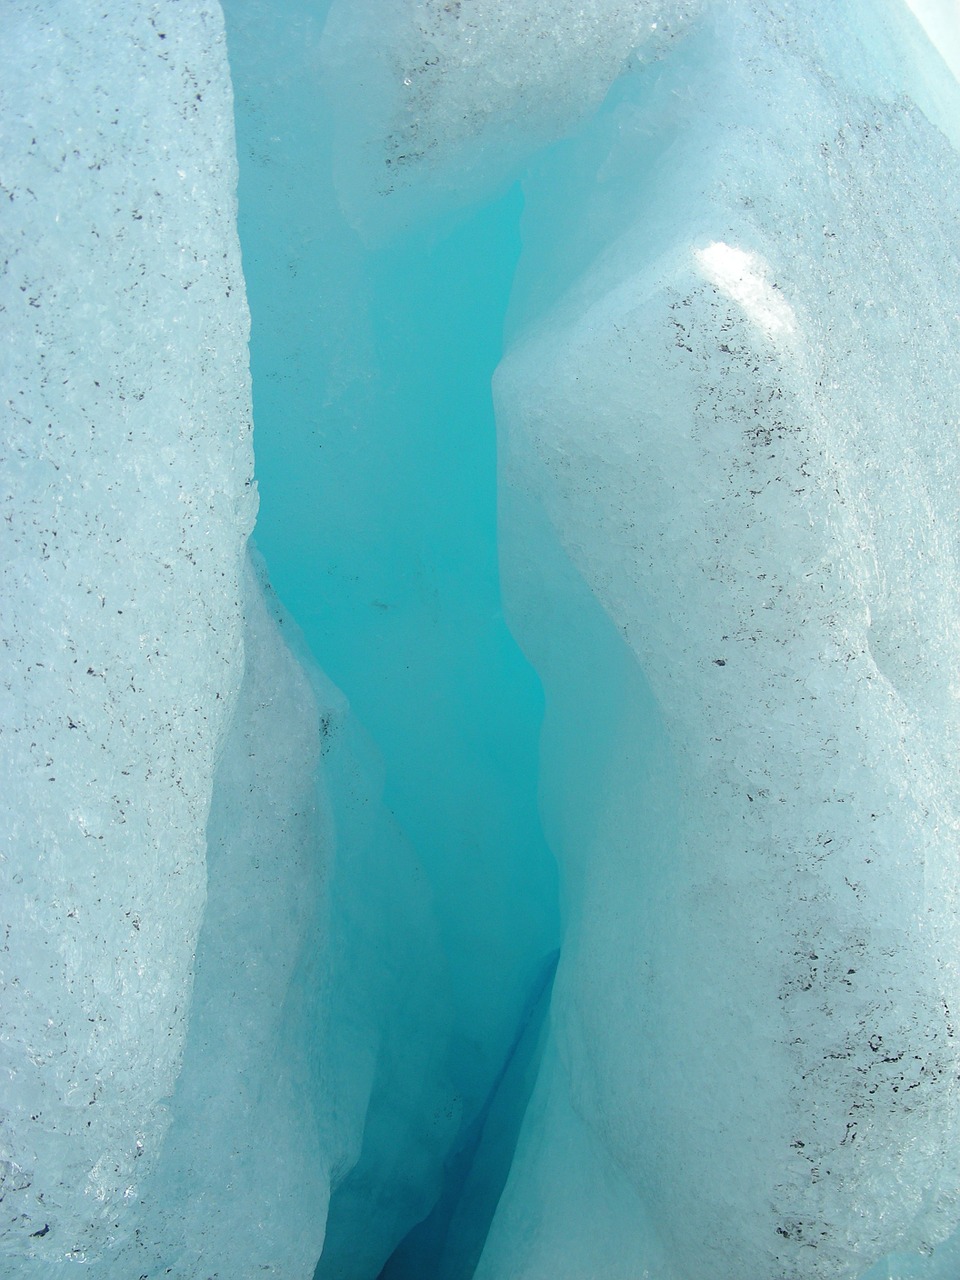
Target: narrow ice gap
x,y
377,469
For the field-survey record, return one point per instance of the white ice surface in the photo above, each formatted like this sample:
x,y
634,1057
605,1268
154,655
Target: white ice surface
x,y
127,496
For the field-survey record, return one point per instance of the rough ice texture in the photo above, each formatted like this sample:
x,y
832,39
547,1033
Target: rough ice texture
x,y
730,529
739,430
435,101
126,490
313,1039
242,1183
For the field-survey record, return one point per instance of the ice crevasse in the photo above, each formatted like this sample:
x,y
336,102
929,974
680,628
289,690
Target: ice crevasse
x,y
539,855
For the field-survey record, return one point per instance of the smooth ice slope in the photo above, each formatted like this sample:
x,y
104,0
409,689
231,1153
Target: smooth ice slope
x,y
127,498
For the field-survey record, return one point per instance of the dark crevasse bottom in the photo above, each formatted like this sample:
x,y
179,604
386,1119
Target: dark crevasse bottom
x,y
449,1242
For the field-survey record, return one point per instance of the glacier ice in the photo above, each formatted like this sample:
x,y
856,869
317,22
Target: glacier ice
x,y
128,496
278,972
738,428
437,101
245,1114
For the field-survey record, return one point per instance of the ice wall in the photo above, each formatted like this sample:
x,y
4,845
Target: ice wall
x,y
127,498
728,494
306,982
287,993
202,892
250,1146
737,426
